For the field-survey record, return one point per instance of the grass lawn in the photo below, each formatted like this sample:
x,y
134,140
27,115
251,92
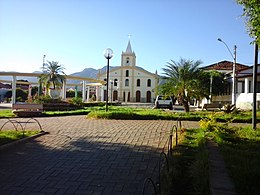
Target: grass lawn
x,y
6,114
7,136
125,113
241,150
120,112
189,166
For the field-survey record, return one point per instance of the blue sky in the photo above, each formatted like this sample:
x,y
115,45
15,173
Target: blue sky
x,y
76,32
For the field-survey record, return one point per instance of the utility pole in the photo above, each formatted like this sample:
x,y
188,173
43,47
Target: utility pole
x,y
254,121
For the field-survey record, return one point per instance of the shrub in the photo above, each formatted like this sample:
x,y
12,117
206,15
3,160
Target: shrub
x,y
76,101
230,108
209,123
46,99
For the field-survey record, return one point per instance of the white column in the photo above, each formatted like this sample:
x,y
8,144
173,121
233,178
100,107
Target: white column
x,y
30,93
14,90
97,93
102,94
64,91
88,94
246,85
83,91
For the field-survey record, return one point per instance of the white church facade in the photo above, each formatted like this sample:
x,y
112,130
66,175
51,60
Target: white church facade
x,y
128,82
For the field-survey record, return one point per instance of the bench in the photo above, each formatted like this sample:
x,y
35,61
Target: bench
x,y
211,107
27,110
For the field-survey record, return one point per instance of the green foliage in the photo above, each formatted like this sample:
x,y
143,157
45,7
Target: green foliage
x,y
138,114
252,15
46,99
230,108
209,123
7,136
34,91
189,165
6,114
183,80
76,101
72,94
97,105
66,113
21,95
240,147
53,75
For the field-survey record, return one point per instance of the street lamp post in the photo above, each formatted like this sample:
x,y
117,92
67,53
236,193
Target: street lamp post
x,y
111,82
43,63
233,71
108,54
40,84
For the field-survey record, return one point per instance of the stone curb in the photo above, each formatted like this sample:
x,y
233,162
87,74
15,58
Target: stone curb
x,y
23,140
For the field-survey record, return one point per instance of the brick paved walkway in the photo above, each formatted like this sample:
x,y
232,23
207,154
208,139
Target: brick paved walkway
x,y
82,156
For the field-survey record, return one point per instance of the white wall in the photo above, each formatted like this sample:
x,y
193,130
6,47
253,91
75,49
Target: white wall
x,y
245,101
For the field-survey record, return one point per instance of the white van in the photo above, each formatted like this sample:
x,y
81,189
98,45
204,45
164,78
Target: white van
x,y
163,101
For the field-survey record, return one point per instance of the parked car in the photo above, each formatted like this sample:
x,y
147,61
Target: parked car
x,y
163,101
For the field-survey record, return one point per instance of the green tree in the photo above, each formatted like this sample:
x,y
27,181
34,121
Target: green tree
x,y
252,15
53,75
183,80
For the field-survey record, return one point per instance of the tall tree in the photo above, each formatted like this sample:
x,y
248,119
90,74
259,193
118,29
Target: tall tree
x,y
53,75
183,77
252,15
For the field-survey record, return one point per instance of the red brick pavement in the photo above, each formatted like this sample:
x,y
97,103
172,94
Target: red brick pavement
x,y
82,156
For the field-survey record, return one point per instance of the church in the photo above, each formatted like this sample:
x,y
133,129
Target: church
x,y
128,82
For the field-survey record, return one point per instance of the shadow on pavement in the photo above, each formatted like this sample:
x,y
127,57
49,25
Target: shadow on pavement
x,y
77,165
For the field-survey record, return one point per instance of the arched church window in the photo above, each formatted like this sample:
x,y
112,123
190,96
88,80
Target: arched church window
x,y
138,82
126,82
115,82
127,73
149,83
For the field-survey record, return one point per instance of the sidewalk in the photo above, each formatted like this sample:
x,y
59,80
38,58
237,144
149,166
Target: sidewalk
x,y
95,156
220,181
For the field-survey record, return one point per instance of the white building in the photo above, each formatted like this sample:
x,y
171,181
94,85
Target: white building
x,y
225,67
244,96
128,82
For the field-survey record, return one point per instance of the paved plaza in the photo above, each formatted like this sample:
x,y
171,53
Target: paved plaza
x,y
84,156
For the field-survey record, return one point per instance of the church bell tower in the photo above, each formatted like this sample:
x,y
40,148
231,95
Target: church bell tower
x,y
128,57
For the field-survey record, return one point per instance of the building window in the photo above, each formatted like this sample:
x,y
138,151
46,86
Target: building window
x,y
127,73
126,82
115,82
149,83
127,61
138,83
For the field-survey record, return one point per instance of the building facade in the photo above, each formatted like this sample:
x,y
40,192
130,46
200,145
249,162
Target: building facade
x,y
128,82
225,67
244,95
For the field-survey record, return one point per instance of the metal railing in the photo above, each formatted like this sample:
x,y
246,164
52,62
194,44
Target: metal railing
x,y
19,124
157,187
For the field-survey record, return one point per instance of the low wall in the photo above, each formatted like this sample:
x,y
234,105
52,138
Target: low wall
x,y
245,101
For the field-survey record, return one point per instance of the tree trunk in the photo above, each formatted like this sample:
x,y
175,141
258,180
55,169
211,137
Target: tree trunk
x,y
186,106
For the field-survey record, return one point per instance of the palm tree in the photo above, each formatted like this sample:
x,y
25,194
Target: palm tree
x,y
53,75
183,77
